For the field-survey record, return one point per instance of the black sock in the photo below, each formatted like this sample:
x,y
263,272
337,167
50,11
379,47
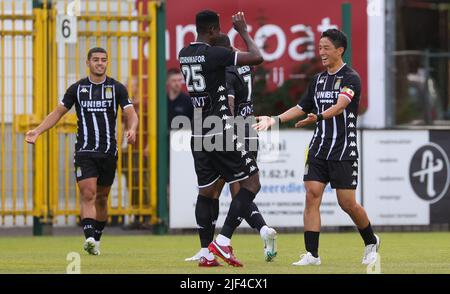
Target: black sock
x,y
203,217
88,227
239,209
98,226
214,216
368,235
312,242
255,220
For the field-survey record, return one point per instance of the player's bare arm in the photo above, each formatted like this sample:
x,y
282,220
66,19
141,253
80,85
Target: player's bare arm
x,y
51,120
231,103
333,111
265,122
131,124
253,56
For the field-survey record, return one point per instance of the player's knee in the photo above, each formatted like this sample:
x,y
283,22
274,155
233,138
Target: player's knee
x,y
209,192
252,184
348,205
87,195
312,195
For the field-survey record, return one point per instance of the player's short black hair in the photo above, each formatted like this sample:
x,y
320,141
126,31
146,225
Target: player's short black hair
x,y
337,37
206,19
223,41
96,50
173,71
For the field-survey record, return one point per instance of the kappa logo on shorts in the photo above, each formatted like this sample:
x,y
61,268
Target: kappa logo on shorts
x,y
239,174
247,161
252,168
79,172
306,169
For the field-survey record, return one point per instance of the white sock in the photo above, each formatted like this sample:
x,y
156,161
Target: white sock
x,y
263,231
222,240
204,252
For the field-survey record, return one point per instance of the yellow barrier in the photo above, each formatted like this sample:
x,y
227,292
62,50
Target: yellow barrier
x,y
39,181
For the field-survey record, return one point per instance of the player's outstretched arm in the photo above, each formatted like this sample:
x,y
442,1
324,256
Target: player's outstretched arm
x,y
51,120
253,56
333,111
131,124
265,122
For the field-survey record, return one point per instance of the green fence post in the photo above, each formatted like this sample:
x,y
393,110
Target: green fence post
x,y
163,133
347,29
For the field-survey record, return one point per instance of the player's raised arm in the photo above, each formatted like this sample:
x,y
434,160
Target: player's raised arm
x,y
51,120
253,56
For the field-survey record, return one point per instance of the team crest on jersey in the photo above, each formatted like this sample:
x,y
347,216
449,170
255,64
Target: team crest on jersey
x,y
108,93
337,84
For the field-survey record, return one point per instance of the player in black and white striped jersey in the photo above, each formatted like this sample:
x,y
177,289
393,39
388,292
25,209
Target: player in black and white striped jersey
x,y
240,101
96,99
333,156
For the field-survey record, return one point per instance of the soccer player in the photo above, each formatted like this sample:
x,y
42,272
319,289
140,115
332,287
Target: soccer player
x,y
96,98
203,67
333,155
239,91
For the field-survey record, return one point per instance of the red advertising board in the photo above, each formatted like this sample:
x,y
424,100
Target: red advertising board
x,y
287,31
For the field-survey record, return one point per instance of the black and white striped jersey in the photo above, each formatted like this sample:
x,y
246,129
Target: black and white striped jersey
x,y
334,138
96,106
239,85
203,67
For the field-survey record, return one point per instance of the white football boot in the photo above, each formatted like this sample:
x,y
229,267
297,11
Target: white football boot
x,y
308,259
90,246
196,257
371,252
270,244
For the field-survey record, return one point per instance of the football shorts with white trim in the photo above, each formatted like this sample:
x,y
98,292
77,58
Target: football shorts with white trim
x,y
233,166
340,174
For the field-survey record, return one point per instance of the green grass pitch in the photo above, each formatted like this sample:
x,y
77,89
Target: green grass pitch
x,y
340,253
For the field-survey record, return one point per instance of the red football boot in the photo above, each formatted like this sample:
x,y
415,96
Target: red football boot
x,y
224,252
204,262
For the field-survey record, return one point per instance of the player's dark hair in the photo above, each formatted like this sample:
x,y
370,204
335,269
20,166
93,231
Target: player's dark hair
x,y
337,37
173,71
223,41
96,50
205,20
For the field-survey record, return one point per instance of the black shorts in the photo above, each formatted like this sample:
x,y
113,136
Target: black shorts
x,y
232,166
93,166
251,143
340,174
